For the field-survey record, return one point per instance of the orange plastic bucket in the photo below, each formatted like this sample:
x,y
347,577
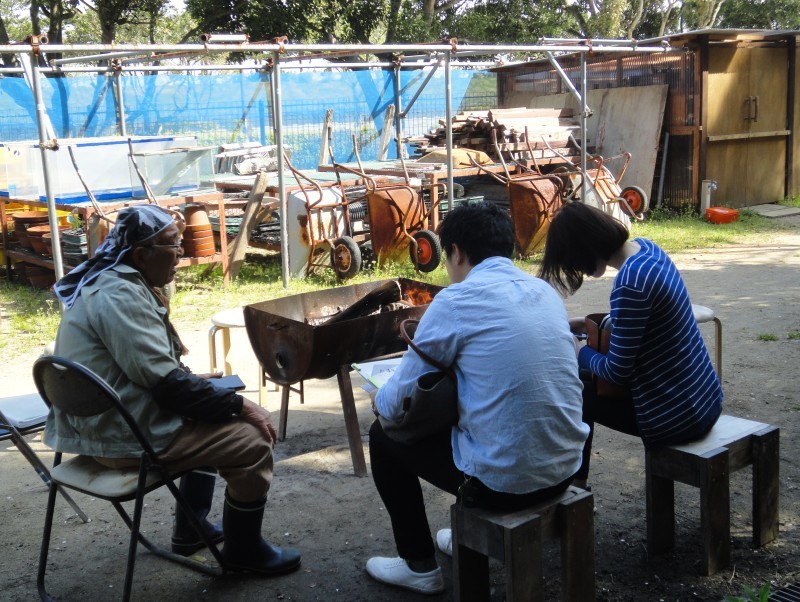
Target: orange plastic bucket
x,y
721,215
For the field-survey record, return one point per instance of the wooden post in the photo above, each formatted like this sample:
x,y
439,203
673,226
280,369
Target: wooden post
x,y
386,133
327,130
239,246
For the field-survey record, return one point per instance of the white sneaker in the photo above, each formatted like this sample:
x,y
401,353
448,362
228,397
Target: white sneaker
x,y
444,541
395,571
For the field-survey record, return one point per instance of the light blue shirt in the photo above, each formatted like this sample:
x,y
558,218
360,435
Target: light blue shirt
x,y
507,336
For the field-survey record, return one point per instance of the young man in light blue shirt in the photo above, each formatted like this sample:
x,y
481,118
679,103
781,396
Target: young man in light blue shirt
x,y
519,434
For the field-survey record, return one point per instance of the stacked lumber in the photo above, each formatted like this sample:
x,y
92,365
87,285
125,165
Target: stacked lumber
x,y
521,133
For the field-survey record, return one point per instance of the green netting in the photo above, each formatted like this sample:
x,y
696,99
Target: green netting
x,y
227,107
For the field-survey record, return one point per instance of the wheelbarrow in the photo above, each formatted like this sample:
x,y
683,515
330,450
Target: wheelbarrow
x,y
398,220
325,228
534,199
605,191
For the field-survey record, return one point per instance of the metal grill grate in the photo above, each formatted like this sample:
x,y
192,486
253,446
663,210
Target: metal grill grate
x,y
790,593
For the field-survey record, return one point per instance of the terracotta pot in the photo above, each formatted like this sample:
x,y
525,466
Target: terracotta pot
x,y
30,217
198,236
47,241
25,219
202,250
197,228
36,231
195,215
38,245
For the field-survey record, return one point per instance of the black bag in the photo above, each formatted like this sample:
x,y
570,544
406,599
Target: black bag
x,y
432,407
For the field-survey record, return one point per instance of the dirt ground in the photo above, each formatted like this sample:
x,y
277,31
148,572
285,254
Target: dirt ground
x,y
336,519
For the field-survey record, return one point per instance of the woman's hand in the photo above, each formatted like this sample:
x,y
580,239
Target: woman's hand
x,y
577,325
260,418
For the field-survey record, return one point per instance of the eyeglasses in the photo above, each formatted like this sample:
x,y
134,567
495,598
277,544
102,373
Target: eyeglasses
x,y
175,247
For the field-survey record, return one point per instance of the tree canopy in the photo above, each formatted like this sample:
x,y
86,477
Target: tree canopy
x,y
383,21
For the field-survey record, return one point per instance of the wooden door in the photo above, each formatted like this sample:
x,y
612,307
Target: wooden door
x,y
746,125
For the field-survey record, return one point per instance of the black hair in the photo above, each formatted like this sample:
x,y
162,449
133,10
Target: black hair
x,y
481,230
579,237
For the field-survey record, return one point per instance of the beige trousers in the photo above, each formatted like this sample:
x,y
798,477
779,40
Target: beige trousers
x,y
236,449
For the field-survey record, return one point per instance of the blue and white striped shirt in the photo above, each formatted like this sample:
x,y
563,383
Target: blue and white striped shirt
x,y
657,349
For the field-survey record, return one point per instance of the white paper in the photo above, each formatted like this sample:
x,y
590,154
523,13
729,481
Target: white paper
x,y
23,411
379,371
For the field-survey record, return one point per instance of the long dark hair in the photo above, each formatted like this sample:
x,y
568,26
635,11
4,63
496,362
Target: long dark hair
x,y
579,236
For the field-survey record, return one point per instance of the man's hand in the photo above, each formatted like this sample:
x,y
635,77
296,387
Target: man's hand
x,y
260,418
210,375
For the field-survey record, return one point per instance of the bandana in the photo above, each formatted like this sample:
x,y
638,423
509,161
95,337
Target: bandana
x,y
134,225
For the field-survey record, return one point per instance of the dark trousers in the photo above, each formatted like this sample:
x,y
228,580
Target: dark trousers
x,y
617,414
397,469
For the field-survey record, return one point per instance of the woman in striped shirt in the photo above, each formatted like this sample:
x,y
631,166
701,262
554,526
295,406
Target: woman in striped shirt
x,y
656,348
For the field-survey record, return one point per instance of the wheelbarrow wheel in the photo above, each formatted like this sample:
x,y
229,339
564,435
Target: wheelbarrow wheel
x,y
427,255
636,199
345,257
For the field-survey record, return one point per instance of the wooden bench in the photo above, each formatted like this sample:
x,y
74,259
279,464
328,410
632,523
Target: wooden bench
x,y
516,540
732,444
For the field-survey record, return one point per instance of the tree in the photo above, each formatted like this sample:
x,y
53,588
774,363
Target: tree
x,y
510,22
761,14
114,13
343,21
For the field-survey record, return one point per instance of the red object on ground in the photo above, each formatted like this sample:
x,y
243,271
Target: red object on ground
x,y
721,215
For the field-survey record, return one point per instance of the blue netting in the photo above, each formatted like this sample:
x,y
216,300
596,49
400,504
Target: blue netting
x,y
227,107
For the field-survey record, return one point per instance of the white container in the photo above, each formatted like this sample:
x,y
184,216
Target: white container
x,y
177,169
104,164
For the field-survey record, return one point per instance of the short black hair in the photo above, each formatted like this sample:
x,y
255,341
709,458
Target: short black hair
x,y
481,230
579,236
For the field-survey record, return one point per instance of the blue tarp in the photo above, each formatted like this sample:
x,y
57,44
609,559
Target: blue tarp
x,y
225,107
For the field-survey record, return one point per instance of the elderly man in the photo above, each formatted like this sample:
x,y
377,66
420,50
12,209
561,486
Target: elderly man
x,y
116,324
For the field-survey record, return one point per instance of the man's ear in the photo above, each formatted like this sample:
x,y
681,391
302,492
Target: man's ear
x,y
456,255
137,257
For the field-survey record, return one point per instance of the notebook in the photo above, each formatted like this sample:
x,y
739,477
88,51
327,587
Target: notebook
x,y
24,411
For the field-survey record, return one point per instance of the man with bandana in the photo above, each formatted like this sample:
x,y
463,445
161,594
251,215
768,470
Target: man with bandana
x,y
116,324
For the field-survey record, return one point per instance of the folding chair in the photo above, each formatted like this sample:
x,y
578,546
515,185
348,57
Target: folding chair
x,y
77,391
23,415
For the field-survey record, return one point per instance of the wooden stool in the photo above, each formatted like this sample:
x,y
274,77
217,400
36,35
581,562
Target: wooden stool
x,y
222,322
516,540
703,314
732,444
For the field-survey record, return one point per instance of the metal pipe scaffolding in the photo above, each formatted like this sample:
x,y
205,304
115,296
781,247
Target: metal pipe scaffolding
x,y
285,55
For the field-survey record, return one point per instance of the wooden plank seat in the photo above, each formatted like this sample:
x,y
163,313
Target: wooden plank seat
x,y
731,445
516,540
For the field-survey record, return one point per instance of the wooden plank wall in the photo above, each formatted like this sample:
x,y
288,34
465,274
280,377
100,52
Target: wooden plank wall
x,y
623,119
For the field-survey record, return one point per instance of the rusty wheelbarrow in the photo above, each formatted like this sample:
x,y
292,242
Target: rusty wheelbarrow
x,y
534,199
325,228
398,220
605,191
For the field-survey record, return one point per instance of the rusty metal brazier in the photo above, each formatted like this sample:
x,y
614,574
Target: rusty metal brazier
x,y
293,340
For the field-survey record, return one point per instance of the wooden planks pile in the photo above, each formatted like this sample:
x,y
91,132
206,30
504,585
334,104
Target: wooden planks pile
x,y
474,130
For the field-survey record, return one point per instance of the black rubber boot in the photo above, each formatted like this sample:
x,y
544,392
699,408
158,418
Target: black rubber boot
x,y
245,549
198,489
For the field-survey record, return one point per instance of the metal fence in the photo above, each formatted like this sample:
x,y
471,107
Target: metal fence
x,y
222,110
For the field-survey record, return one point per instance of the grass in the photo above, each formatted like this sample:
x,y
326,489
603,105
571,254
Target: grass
x,y
29,318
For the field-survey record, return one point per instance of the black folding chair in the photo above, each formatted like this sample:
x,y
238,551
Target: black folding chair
x,y
23,415
77,391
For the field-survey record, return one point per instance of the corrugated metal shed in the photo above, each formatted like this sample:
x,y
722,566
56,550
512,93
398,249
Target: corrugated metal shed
x,y
731,113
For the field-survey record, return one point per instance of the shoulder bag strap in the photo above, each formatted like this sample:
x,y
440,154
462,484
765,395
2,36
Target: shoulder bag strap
x,y
435,363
